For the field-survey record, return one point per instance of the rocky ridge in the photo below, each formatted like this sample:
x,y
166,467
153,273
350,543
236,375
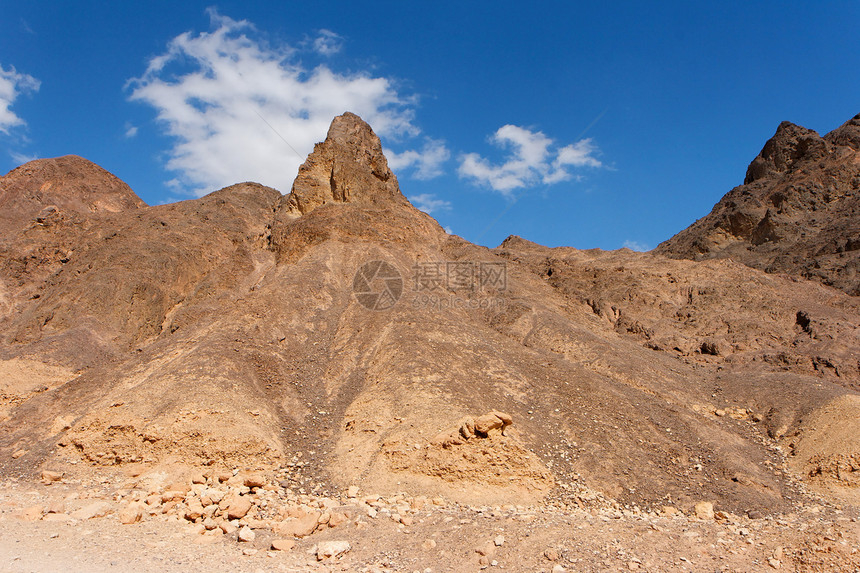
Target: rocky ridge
x,y
798,211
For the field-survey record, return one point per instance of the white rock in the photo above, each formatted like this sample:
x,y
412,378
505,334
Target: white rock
x,y
92,510
330,549
132,513
247,534
704,510
49,476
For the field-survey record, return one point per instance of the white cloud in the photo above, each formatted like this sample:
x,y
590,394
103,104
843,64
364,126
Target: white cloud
x,y
242,110
130,130
636,246
579,154
12,84
21,158
426,163
328,43
428,202
532,159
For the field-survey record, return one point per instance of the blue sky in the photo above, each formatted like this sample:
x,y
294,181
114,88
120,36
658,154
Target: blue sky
x,y
579,124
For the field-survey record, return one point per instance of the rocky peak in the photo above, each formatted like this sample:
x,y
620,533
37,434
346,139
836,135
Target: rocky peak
x,y
70,179
61,185
348,167
798,211
517,242
791,143
847,134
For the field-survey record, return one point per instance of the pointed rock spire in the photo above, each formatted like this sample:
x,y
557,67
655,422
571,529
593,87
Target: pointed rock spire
x,y
348,167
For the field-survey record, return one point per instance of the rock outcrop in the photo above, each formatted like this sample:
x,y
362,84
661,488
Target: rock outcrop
x,y
798,211
348,167
347,186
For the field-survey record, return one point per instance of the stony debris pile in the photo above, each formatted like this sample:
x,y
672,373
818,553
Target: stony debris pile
x,y
243,506
258,521
246,507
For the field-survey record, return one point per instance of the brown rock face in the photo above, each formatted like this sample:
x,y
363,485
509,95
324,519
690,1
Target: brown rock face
x,y
348,167
45,190
49,210
798,211
790,144
353,195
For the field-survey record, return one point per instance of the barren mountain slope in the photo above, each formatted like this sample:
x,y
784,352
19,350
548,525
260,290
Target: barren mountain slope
x,y
246,329
47,209
774,349
798,211
53,188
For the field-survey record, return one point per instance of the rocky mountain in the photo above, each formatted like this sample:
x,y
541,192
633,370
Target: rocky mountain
x,y
798,211
339,331
49,190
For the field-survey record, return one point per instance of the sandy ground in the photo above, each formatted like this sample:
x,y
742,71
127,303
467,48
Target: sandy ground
x,y
445,537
